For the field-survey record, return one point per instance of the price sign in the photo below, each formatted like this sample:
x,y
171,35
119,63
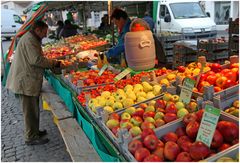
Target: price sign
x,y
122,74
186,92
208,125
102,69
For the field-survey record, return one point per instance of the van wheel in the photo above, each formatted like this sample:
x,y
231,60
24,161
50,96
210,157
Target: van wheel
x,y
8,38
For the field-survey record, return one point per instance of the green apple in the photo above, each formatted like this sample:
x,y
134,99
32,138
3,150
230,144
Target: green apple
x,y
175,98
130,110
128,87
117,106
159,115
192,107
179,105
136,120
140,99
105,94
109,109
120,91
167,97
147,87
131,96
142,94
112,123
94,107
225,159
127,102
157,90
102,102
120,97
182,112
152,103
92,102
149,119
135,131
126,124
150,95
149,108
125,115
110,102
110,97
137,88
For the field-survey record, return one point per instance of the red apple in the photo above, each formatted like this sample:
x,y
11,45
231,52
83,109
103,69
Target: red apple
x,y
216,67
148,114
146,132
217,89
136,120
159,152
231,76
146,125
234,65
183,157
211,79
151,142
160,144
181,68
143,106
171,150
180,131
159,122
192,129
171,136
160,104
184,143
141,153
134,145
229,130
220,82
217,140
202,85
223,147
189,118
171,108
139,112
152,158
168,117
225,71
199,115
114,116
203,77
199,150
229,83
115,130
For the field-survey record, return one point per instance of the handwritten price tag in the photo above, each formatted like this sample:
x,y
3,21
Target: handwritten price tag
x,y
186,92
208,125
102,69
122,74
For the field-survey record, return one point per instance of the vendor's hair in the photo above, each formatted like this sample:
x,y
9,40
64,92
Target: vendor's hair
x,y
39,24
119,13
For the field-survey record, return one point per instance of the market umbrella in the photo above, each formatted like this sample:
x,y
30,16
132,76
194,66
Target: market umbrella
x,y
38,12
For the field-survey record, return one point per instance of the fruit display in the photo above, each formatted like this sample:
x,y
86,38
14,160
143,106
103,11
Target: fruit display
x,y
152,114
181,146
78,38
123,98
234,109
91,44
57,51
91,77
220,78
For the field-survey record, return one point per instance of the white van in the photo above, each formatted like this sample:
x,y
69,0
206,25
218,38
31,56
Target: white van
x,y
10,23
186,17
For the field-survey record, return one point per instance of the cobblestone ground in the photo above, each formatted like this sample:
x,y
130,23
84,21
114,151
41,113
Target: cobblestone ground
x,y
13,147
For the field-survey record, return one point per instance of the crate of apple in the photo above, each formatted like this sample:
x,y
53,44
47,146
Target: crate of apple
x,y
152,114
176,142
57,52
221,78
234,109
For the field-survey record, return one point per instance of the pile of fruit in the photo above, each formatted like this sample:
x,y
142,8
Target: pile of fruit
x,y
126,97
220,78
154,114
180,145
55,52
86,45
234,109
79,38
91,77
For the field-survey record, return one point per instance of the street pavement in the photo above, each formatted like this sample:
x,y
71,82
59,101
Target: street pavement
x,y
13,147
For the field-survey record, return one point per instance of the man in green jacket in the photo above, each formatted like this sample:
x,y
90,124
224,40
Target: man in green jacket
x,y
25,79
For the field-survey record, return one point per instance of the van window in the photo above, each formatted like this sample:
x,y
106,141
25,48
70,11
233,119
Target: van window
x,y
163,11
187,10
17,19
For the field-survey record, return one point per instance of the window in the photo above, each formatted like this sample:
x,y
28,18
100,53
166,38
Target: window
x,y
5,6
222,11
17,19
163,11
187,10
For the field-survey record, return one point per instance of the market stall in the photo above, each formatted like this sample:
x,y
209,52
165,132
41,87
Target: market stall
x,y
146,113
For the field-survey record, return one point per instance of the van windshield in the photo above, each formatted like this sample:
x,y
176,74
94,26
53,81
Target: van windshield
x,y
187,10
